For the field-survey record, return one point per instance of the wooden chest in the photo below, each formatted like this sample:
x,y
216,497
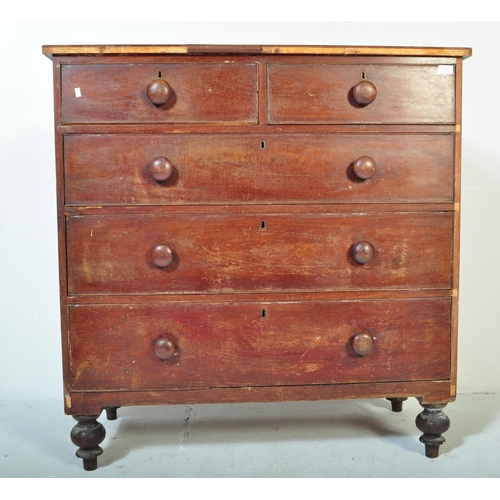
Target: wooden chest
x,y
257,223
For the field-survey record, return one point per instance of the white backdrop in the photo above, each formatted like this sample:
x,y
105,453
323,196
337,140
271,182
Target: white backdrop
x,y
30,357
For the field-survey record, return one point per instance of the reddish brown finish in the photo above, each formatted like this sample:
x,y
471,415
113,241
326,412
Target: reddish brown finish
x,y
227,253
230,345
364,92
118,93
363,252
341,208
159,92
365,167
88,401
257,223
162,256
164,348
363,344
277,168
323,94
160,169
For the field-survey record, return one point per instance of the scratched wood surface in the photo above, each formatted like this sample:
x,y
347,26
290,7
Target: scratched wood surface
x,y
232,345
113,169
322,93
262,204
117,93
257,223
226,253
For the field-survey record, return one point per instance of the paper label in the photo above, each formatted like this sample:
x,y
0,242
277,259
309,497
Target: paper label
x,y
445,69
78,92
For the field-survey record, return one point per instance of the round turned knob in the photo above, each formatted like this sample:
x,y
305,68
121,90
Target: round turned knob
x,y
364,167
364,92
160,169
159,92
162,255
362,344
363,252
164,348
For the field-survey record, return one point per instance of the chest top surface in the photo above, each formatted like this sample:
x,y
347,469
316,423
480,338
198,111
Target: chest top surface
x,y
51,50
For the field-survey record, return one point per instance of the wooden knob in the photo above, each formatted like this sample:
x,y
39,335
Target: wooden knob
x,y
364,167
364,92
362,344
164,348
160,169
363,252
162,255
159,92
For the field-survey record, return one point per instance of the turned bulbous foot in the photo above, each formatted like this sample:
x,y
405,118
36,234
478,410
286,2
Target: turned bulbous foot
x,y
433,423
88,434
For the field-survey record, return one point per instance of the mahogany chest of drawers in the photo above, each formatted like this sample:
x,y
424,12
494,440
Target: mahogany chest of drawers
x,y
257,223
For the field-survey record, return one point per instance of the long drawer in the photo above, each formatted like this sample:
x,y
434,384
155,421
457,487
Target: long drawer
x,y
193,93
214,253
325,93
289,168
200,345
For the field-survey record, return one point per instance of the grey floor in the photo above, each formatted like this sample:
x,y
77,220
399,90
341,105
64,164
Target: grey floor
x,y
334,439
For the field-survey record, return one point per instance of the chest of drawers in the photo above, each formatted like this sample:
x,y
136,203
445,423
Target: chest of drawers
x,y
254,223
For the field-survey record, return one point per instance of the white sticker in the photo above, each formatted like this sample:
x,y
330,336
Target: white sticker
x,y
78,92
445,69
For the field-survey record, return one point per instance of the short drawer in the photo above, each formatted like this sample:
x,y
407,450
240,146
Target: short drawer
x,y
327,93
191,169
210,253
204,345
193,93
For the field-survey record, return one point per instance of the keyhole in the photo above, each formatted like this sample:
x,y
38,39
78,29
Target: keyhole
x,y
263,225
263,314
262,145
363,75
159,74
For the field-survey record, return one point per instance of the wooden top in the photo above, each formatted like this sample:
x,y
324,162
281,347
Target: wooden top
x,y
53,50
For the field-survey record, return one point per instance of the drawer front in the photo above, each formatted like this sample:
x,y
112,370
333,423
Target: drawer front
x,y
231,345
290,168
324,94
236,253
198,93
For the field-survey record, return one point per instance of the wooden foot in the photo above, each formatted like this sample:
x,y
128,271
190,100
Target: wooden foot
x,y
111,412
433,423
88,434
397,403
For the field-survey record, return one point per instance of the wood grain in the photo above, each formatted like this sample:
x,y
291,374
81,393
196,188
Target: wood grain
x,y
92,402
259,168
244,178
322,93
117,93
227,253
232,345
144,50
